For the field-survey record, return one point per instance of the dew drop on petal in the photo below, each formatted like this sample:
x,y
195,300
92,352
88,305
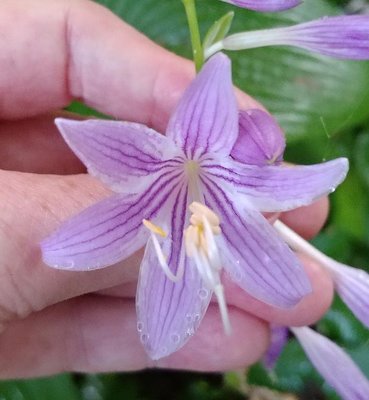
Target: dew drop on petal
x,y
203,293
139,326
175,338
196,317
189,317
144,337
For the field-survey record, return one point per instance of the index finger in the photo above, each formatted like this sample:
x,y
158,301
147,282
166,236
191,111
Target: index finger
x,y
65,49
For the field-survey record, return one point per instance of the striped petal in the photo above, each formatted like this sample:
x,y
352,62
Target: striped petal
x,y
265,5
334,365
254,255
119,152
168,312
260,140
352,284
109,231
340,37
279,188
206,118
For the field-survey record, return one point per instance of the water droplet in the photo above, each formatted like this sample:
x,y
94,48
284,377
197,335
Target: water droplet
x,y
196,317
144,337
189,317
175,338
190,332
203,293
139,326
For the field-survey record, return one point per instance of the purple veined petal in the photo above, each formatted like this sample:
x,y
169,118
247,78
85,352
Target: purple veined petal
x,y
256,258
352,284
265,5
334,365
340,37
123,155
170,312
279,188
206,118
278,339
108,231
260,140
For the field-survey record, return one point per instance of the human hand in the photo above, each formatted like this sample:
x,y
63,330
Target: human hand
x,y
85,321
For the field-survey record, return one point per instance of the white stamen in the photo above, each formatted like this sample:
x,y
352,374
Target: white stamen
x,y
156,230
202,247
297,243
219,293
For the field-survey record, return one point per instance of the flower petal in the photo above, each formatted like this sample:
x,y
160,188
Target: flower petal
x,y
280,188
260,140
352,284
119,152
341,37
257,259
334,365
170,312
109,231
265,5
278,339
206,118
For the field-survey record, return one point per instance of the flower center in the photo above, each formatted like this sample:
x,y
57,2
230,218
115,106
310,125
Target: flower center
x,y
202,248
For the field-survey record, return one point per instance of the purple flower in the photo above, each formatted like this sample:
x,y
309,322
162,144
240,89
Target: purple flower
x,y
197,208
352,284
340,37
333,364
265,5
278,339
260,140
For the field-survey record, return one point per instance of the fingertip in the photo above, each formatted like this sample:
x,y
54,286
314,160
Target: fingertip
x,y
212,350
307,221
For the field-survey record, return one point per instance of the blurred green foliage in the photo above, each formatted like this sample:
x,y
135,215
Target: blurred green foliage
x,y
323,106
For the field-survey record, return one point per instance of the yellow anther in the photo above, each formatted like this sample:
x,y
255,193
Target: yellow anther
x,y
154,228
199,211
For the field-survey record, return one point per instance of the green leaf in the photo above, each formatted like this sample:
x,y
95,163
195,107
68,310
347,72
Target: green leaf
x,y
60,387
218,30
311,95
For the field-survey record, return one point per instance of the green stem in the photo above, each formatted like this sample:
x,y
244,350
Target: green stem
x,y
198,54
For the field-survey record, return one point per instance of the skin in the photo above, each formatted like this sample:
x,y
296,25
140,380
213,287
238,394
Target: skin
x,y
53,320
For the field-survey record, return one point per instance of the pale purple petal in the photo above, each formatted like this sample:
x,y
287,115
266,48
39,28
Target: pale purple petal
x,y
279,188
352,284
260,140
278,339
341,37
168,312
206,118
109,231
254,255
121,154
265,5
336,367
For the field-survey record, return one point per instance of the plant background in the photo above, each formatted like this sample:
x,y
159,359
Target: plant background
x,y
323,106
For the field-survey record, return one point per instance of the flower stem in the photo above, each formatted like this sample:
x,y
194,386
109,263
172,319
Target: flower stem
x,y
197,51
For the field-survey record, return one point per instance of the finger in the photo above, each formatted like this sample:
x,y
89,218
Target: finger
x,y
32,206
307,221
93,334
88,54
35,145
